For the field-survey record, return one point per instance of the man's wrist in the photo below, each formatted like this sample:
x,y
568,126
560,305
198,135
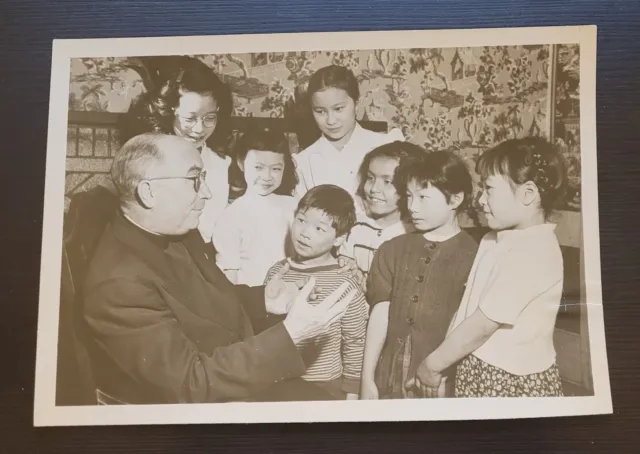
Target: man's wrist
x,y
295,337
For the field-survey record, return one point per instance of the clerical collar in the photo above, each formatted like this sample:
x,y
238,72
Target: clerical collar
x,y
160,240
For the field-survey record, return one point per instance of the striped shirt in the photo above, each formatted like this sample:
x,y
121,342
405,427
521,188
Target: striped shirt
x,y
338,352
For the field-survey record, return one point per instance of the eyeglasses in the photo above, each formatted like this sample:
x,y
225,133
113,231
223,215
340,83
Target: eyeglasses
x,y
208,121
197,179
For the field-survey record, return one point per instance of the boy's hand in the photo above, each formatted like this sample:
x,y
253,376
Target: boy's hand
x,y
348,265
368,390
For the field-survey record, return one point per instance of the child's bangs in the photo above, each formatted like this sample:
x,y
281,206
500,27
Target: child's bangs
x,y
493,163
422,175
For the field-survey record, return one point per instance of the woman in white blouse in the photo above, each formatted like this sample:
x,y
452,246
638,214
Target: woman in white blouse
x,y
190,101
336,156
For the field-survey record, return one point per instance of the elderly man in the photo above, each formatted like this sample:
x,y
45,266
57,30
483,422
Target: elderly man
x,y
165,323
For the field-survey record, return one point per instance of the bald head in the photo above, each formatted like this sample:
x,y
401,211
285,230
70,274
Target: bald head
x,y
140,157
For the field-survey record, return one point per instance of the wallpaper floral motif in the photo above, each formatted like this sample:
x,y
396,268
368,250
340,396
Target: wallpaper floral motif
x,y
458,99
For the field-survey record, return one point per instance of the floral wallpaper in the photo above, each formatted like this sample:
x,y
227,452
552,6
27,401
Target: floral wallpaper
x,y
459,99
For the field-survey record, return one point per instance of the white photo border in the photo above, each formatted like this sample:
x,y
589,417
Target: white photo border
x,y
46,413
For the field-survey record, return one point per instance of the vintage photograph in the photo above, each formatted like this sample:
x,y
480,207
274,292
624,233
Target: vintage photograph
x,y
363,226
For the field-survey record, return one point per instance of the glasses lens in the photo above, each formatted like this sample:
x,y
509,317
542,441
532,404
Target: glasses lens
x,y
199,180
210,121
188,122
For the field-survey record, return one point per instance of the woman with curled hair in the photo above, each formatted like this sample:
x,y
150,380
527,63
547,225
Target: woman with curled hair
x,y
186,98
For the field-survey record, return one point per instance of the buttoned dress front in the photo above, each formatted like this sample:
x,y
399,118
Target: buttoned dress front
x,y
424,282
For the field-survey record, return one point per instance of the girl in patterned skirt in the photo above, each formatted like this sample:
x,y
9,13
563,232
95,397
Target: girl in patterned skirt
x,y
417,279
503,331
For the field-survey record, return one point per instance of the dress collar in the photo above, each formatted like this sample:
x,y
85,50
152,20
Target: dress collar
x,y
358,131
523,234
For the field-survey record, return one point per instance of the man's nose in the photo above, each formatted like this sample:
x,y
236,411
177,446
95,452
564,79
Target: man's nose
x,y
205,192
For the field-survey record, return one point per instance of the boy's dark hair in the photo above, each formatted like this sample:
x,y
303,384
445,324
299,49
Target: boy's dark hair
x,y
333,201
407,154
334,76
443,170
267,140
528,159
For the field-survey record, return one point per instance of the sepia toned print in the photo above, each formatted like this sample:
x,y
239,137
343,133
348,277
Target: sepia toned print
x,y
395,229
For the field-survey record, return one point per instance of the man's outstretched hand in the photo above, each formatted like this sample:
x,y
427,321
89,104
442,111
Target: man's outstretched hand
x,y
305,321
279,295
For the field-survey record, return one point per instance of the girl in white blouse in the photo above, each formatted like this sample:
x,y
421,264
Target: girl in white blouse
x,y
336,156
252,233
503,331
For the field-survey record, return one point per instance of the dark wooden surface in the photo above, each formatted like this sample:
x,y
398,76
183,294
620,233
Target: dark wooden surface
x,y
28,26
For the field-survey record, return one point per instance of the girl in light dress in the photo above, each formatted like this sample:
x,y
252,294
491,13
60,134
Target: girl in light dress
x,y
253,232
502,336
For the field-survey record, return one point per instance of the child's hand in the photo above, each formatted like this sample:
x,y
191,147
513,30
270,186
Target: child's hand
x,y
348,265
427,381
442,391
279,294
368,390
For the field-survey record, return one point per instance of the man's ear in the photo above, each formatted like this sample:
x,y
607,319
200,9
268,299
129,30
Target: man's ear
x,y
145,194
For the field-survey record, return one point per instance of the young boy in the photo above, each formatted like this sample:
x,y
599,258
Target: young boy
x,y
323,218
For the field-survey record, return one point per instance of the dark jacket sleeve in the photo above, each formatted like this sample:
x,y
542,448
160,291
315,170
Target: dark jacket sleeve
x,y
136,328
253,303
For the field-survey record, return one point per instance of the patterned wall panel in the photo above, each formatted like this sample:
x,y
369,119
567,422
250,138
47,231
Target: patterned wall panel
x,y
459,99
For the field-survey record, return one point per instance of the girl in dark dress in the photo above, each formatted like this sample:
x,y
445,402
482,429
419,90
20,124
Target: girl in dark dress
x,y
417,279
